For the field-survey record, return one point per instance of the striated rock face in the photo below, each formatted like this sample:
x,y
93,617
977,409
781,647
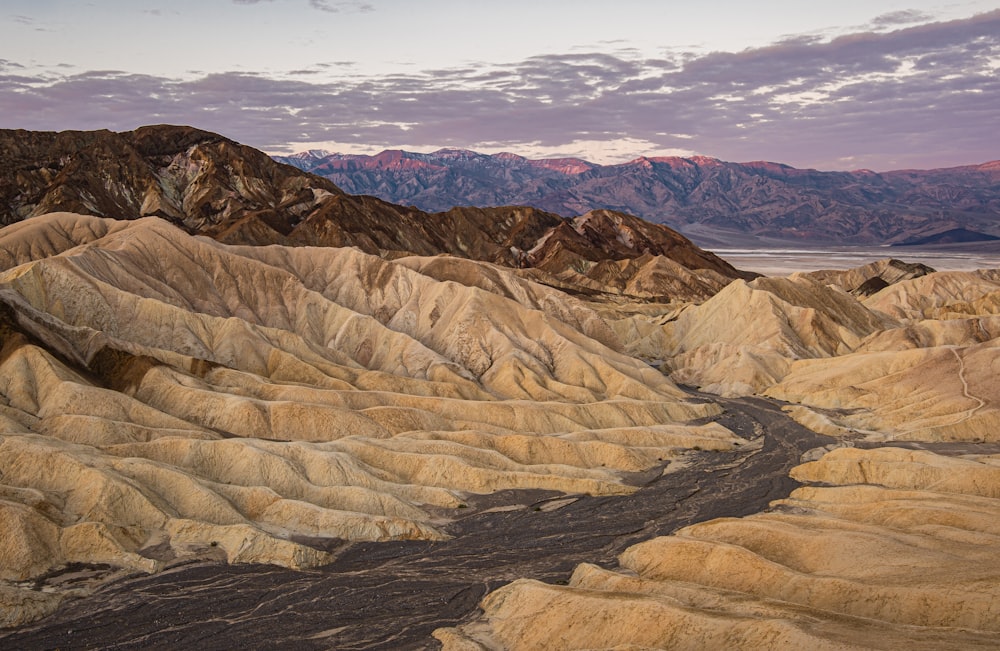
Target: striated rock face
x,y
888,549
698,194
213,186
939,393
915,360
744,338
930,378
164,396
606,235
200,180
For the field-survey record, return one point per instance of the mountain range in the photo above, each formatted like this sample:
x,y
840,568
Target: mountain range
x,y
210,185
708,199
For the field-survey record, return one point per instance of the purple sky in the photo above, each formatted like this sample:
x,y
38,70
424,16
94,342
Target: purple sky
x,y
877,84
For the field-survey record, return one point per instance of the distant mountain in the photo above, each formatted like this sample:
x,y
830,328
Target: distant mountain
x,y
213,186
700,196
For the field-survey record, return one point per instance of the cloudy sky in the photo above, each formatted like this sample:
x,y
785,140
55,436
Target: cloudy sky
x,y
880,84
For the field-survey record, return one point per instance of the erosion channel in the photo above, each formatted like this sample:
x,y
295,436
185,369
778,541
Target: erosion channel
x,y
393,595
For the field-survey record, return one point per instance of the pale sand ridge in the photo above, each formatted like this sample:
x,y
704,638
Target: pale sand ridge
x,y
163,396
894,549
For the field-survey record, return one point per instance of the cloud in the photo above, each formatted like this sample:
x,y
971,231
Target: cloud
x,y
29,21
920,96
329,6
341,7
904,17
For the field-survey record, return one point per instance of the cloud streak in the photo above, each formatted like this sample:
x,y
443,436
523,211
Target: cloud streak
x,y
904,17
916,96
329,6
341,7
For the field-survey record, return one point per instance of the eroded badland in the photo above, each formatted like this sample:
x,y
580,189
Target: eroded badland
x,y
564,434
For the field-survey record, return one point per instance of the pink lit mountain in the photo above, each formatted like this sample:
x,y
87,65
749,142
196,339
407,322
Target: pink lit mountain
x,y
701,196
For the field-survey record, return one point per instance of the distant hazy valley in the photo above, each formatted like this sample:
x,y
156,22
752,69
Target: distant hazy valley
x,y
242,407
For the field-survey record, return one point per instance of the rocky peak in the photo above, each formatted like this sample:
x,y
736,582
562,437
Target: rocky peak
x,y
509,157
199,180
169,140
458,154
570,166
214,186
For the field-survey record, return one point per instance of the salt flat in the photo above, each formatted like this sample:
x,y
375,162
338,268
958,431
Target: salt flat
x,y
784,261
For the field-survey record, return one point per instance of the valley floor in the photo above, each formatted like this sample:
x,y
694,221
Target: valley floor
x,y
393,595
784,261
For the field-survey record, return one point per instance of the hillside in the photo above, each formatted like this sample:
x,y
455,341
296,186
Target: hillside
x,y
210,185
172,406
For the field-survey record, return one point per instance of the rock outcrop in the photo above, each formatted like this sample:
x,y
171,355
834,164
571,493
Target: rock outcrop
x,y
871,278
744,338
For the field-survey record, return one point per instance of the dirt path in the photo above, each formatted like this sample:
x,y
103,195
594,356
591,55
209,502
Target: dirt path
x,y
392,595
965,389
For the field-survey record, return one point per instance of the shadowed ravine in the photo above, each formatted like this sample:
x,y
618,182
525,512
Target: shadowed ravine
x,y
393,595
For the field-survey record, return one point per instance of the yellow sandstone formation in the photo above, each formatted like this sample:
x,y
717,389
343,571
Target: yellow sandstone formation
x,y
889,549
164,396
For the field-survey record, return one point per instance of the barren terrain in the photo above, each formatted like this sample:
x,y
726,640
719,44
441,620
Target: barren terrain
x,y
626,443
419,586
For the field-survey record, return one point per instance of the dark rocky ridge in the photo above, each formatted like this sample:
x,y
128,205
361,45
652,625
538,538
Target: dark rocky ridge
x,y
213,186
950,236
694,195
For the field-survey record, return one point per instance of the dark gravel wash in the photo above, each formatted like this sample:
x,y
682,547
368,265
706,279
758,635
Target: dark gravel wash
x,y
392,595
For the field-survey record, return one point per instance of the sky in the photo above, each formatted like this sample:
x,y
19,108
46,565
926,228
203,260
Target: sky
x,y
875,84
